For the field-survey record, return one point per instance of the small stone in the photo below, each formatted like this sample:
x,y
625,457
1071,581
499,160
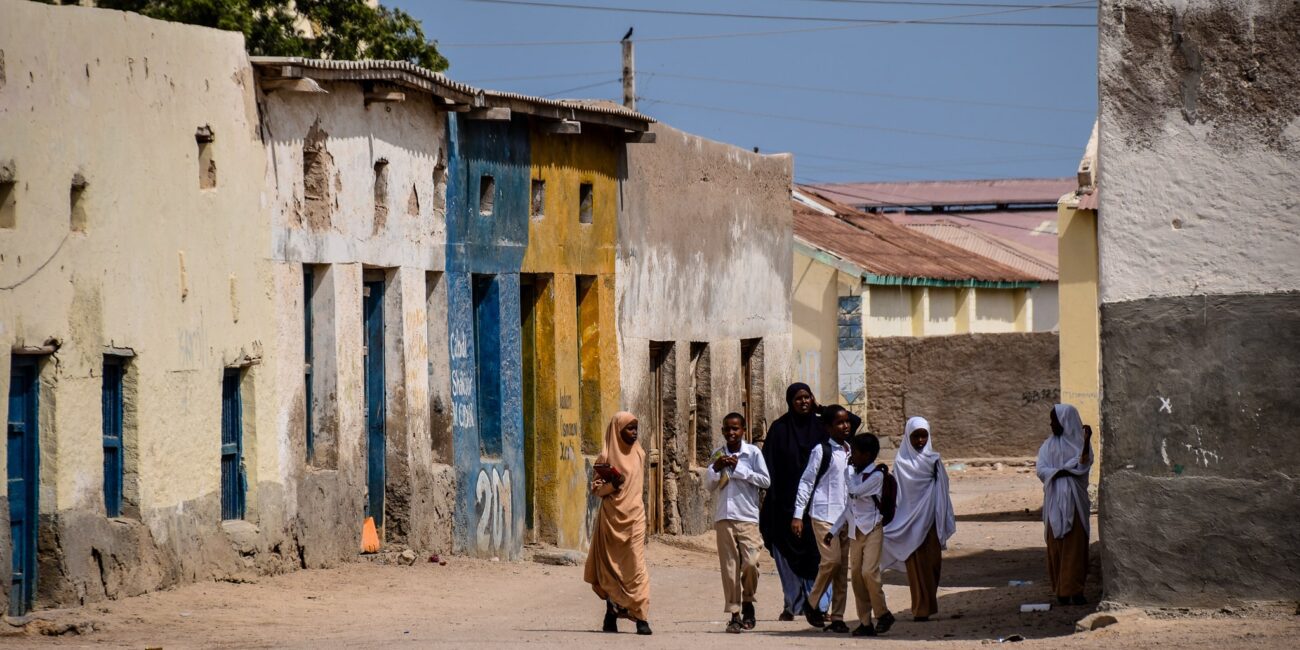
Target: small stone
x,y
1095,621
560,558
407,557
998,467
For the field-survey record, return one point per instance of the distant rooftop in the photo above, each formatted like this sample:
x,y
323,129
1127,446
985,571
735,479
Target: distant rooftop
x,y
997,194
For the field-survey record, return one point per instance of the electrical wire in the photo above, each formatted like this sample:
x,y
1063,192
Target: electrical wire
x,y
863,93
575,89
774,32
918,3
539,76
822,185
724,14
866,127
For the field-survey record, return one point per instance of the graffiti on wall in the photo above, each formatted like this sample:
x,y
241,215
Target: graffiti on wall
x,y
852,364
494,531
462,381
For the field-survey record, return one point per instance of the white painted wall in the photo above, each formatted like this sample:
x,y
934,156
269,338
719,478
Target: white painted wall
x,y
995,311
888,311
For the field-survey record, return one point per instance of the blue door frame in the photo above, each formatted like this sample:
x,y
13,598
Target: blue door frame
x,y
24,480
376,444
233,482
111,405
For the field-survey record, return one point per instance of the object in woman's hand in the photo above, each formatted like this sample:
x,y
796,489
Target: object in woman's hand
x,y
608,473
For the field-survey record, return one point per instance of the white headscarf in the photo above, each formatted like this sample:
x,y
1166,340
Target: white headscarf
x,y
923,500
1066,495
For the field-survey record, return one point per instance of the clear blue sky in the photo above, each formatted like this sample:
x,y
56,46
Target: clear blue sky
x,y
874,68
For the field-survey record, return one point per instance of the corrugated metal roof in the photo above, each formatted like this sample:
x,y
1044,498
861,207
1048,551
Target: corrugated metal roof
x,y
881,247
945,193
995,248
1090,201
1035,229
413,76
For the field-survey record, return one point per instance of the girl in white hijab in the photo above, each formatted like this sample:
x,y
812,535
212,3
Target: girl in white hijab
x,y
923,521
1064,461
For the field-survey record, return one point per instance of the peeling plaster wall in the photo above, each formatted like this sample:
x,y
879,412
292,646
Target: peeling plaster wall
x,y
122,109
705,251
321,163
1200,300
571,403
490,494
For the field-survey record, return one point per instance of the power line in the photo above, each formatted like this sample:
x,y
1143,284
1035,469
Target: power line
x,y
864,93
577,88
866,127
817,19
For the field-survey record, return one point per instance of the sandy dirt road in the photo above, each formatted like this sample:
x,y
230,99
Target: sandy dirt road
x,y
486,604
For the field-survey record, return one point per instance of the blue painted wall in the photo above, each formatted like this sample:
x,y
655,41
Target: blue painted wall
x,y
487,249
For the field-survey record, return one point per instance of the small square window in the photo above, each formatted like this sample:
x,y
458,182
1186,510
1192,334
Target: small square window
x,y
585,203
487,193
538,198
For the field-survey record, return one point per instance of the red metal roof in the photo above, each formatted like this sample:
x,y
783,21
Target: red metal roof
x,y
1035,229
946,193
1000,250
1090,201
880,246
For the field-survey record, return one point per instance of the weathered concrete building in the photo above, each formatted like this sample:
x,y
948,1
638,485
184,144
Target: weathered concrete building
x,y
137,344
703,291
894,323
1199,162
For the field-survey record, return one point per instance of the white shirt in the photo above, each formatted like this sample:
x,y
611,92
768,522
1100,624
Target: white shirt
x,y
738,499
832,492
861,511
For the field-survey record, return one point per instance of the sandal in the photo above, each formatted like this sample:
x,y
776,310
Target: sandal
x,y
747,619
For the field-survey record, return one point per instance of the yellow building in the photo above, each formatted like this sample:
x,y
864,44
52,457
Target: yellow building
x,y
570,352
1080,348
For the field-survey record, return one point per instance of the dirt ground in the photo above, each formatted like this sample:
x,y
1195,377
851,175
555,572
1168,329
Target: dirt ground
x,y
483,603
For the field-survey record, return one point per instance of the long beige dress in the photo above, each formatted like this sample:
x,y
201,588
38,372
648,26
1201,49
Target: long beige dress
x,y
616,564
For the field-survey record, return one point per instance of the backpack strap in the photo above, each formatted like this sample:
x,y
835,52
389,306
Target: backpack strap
x,y
876,498
821,469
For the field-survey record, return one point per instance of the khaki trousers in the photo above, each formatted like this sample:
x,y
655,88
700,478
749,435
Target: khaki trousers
x,y
1067,560
738,545
830,572
864,566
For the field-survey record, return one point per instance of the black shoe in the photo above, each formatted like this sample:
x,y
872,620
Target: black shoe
x,y
814,616
747,619
611,622
920,619
1062,600
785,616
864,630
735,626
837,627
885,622
1078,600
643,628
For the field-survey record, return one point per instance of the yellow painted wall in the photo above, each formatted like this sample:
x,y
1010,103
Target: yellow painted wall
x,y
560,248
1080,348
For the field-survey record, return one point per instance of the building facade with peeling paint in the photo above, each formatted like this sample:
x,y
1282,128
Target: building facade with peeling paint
x,y
703,290
569,346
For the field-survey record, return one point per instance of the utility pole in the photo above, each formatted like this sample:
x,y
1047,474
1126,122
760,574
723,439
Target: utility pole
x,y
629,72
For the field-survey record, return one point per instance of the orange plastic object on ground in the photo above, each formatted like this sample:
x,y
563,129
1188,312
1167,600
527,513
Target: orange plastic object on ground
x,y
369,537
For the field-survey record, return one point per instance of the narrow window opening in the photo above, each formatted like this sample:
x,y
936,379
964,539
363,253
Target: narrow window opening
x,y
8,202
751,368
381,195
440,421
585,203
700,431
113,405
538,204
233,480
487,192
487,358
440,185
308,288
317,170
207,164
77,203
589,410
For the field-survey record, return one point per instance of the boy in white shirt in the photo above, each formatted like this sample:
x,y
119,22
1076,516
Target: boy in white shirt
x,y
823,492
863,520
737,473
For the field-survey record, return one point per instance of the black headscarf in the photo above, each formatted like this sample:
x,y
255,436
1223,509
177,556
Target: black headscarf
x,y
789,442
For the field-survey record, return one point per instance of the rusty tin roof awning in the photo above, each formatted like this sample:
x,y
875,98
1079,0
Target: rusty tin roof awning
x,y
277,71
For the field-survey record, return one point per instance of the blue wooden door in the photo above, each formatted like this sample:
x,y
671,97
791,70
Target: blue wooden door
x,y
232,447
111,404
373,324
24,482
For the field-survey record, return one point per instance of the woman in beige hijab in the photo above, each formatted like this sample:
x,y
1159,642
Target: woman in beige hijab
x,y
616,564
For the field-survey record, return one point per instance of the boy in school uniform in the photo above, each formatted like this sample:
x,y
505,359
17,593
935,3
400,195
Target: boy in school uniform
x,y
863,521
736,474
823,493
